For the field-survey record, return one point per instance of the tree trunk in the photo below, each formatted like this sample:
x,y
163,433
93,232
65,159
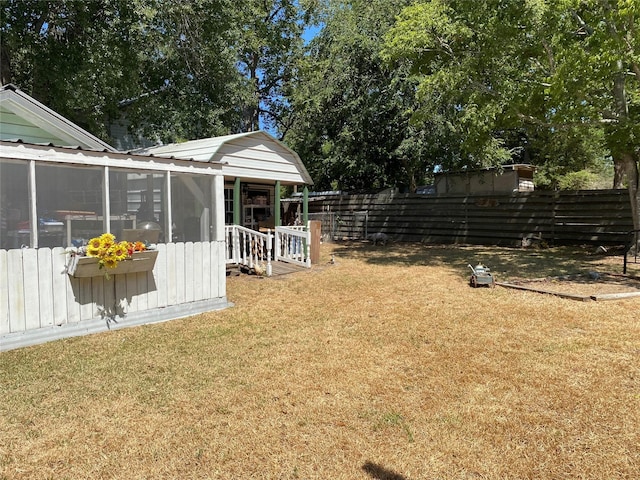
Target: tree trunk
x,y
634,192
633,181
5,65
624,155
618,173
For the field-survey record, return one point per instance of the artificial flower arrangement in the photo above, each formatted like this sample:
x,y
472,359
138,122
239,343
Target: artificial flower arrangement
x,y
109,252
106,253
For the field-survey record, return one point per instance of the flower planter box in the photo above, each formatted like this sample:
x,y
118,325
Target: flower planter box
x,y
82,267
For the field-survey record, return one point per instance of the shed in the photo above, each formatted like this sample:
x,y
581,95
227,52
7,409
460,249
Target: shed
x,y
506,179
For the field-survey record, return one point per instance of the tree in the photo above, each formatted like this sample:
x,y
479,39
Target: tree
x,y
559,67
171,66
63,54
268,50
189,83
352,111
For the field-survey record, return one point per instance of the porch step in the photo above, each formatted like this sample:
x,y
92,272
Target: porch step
x,y
233,270
277,268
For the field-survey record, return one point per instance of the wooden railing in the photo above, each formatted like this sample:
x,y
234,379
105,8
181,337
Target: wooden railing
x,y
292,245
245,246
256,249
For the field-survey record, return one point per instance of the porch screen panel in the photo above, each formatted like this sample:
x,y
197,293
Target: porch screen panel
x,y
69,204
192,207
137,202
14,204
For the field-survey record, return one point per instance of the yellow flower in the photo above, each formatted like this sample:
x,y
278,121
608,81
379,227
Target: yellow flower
x,y
93,247
110,262
107,238
109,252
120,250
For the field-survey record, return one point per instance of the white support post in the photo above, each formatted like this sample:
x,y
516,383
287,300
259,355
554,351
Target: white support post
x,y
217,196
236,245
278,249
106,207
33,208
168,214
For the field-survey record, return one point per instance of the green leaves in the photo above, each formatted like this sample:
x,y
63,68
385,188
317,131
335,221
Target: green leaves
x,y
353,110
174,69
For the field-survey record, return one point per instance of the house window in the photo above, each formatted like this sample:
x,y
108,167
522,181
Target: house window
x,y
228,206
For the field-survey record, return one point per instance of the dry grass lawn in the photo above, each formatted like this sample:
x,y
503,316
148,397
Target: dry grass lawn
x,y
386,365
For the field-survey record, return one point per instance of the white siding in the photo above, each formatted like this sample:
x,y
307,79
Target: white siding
x,y
40,302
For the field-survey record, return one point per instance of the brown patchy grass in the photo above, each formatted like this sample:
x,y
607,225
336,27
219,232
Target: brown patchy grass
x,y
386,365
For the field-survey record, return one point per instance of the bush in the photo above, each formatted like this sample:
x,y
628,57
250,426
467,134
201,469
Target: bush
x,y
581,180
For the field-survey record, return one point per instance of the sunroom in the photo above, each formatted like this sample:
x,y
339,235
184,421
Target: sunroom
x,y
61,188
55,199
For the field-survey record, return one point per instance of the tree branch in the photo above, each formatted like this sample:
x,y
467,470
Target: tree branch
x,y
552,61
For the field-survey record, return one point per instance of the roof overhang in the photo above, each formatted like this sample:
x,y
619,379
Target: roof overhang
x,y
15,100
51,154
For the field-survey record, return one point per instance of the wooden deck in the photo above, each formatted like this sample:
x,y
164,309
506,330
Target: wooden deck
x,y
284,268
277,269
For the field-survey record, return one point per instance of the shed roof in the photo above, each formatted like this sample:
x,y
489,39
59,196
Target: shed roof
x,y
23,117
249,156
515,167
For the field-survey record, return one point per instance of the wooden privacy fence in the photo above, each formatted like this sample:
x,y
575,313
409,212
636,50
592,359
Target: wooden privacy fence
x,y
39,301
600,217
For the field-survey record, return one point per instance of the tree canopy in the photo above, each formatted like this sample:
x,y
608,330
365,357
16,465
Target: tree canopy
x,y
177,70
561,71
387,92
352,111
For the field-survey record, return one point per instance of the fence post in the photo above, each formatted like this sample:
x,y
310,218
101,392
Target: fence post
x,y
307,245
235,237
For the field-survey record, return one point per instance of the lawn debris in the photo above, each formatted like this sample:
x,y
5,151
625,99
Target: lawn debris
x,y
584,287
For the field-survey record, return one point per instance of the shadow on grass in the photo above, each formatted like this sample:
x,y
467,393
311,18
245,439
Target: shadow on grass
x,y
378,472
507,263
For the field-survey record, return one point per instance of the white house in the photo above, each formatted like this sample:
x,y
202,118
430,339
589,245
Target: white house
x,y
61,186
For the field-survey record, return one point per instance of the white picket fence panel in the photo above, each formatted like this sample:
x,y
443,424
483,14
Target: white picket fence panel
x,y
36,293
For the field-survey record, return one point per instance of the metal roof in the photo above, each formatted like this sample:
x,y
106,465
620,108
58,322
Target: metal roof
x,y
237,156
16,101
50,153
